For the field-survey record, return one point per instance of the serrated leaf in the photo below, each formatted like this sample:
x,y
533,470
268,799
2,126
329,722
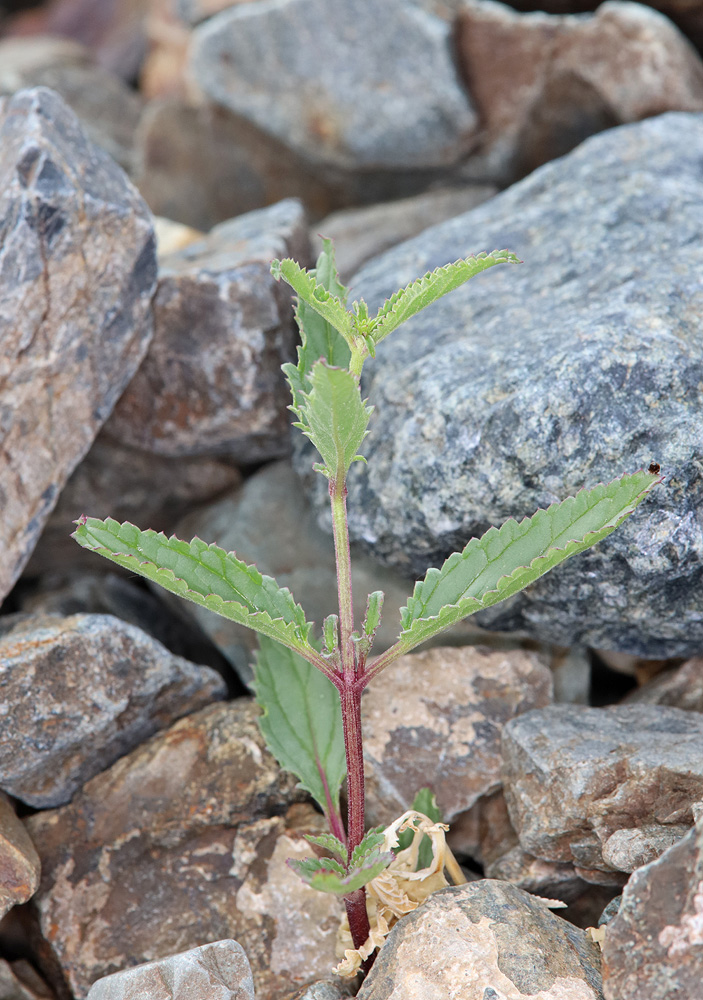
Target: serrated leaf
x,y
370,844
374,606
320,874
505,560
309,290
330,843
425,290
202,573
302,721
334,417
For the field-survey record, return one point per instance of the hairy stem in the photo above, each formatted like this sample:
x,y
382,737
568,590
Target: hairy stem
x,y
338,500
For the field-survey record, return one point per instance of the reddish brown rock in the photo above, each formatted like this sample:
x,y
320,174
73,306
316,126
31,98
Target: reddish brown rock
x,y
543,83
211,383
654,946
574,776
19,861
78,271
681,688
82,691
180,843
434,719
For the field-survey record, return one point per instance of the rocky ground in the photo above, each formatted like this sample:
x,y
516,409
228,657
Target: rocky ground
x,y
154,156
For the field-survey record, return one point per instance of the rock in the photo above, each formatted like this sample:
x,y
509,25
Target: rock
x,y
484,832
627,850
484,410
77,272
81,692
171,236
178,844
130,600
218,971
434,719
558,80
362,233
360,89
484,941
682,688
19,981
202,165
654,946
114,480
574,776
268,522
323,990
548,879
107,108
163,70
19,861
211,383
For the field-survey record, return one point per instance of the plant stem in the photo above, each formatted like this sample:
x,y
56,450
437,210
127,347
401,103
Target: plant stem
x,y
350,697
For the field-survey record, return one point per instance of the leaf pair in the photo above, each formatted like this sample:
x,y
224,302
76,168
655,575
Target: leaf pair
x,y
333,874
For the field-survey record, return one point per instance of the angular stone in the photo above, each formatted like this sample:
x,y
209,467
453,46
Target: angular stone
x,y
107,108
542,83
682,688
549,879
178,843
484,832
218,971
326,989
627,850
19,861
483,941
362,233
19,981
484,410
360,88
114,480
269,523
654,946
81,692
434,719
573,776
211,382
77,272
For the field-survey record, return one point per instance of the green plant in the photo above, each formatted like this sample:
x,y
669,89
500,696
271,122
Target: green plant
x,y
302,720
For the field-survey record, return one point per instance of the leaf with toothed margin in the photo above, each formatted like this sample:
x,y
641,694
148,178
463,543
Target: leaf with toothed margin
x,y
204,574
425,290
309,290
302,721
328,842
369,846
505,560
325,874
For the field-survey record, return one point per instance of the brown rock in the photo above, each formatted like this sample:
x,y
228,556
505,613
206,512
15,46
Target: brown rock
x,y
653,948
483,941
484,832
19,981
217,971
211,382
114,480
549,879
175,845
162,73
434,719
19,861
82,691
573,776
79,270
542,83
682,688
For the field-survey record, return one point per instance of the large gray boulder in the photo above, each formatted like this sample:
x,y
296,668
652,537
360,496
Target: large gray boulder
x,y
533,381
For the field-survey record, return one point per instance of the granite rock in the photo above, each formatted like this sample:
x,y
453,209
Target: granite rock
x,y
680,688
181,842
575,777
484,941
211,382
434,719
653,948
543,83
364,86
217,971
531,382
115,480
19,861
77,272
81,692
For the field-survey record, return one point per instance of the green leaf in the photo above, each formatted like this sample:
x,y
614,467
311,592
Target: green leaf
x,y
427,289
325,875
505,560
204,574
370,844
329,843
374,606
302,721
330,632
311,291
334,417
